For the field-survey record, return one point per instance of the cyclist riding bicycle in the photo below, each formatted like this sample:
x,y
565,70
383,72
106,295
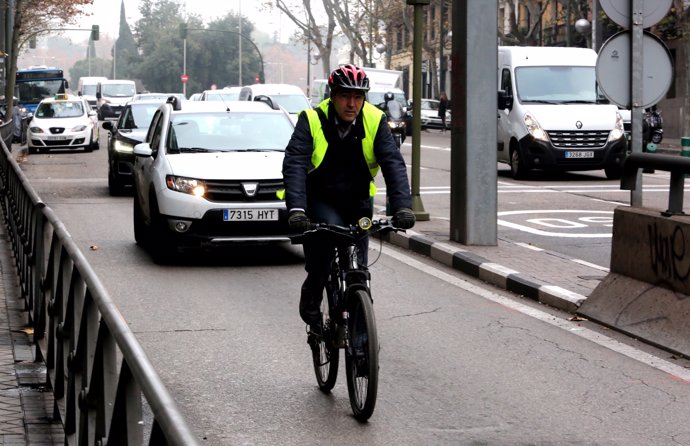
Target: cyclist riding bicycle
x,y
335,152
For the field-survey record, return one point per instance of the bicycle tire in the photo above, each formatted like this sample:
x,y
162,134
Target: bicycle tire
x,y
362,355
325,354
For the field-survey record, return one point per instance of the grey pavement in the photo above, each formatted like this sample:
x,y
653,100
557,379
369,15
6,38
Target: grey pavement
x,y
26,406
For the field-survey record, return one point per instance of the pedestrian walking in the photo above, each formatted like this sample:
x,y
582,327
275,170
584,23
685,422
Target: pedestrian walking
x,y
442,108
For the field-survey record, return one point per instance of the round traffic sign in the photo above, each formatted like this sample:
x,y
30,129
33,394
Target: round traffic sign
x,y
613,69
652,11
184,78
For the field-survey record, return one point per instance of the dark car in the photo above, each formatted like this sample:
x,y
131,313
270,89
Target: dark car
x,y
129,130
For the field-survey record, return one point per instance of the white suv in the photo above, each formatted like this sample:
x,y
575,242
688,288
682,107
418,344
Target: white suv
x,y
207,174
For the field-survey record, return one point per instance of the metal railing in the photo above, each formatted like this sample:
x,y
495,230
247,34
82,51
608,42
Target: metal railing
x,y
96,368
678,166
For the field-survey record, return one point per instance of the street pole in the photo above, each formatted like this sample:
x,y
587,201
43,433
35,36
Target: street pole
x,y
441,57
184,65
240,41
417,205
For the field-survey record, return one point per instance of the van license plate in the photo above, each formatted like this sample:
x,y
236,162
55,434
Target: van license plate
x,y
580,154
250,214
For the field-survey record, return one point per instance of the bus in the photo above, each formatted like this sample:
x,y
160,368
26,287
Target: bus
x,y
38,82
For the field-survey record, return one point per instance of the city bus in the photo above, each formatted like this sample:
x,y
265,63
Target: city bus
x,y
38,82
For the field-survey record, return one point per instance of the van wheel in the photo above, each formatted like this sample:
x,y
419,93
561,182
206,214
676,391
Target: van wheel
x,y
517,168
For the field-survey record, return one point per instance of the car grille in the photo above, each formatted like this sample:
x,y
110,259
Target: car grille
x,y
224,191
579,139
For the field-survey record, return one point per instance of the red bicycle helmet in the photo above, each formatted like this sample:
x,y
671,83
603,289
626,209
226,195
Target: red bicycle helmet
x,y
348,77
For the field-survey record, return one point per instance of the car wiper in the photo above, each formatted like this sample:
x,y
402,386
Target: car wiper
x,y
193,150
541,101
255,150
580,101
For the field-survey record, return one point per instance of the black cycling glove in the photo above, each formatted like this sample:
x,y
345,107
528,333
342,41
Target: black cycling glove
x,y
298,221
404,218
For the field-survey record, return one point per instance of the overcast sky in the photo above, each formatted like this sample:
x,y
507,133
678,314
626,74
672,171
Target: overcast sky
x,y
106,14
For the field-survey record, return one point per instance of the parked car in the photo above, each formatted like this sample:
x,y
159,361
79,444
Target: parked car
x,y
429,114
129,130
63,122
208,174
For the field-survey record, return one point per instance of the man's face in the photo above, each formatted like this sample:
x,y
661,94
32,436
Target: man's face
x,y
348,104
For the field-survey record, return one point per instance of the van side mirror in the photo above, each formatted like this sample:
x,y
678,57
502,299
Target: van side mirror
x,y
505,100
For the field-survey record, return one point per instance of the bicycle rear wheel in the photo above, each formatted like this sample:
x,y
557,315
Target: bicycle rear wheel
x,y
324,351
362,356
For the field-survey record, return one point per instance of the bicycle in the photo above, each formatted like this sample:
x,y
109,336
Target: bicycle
x,y
348,315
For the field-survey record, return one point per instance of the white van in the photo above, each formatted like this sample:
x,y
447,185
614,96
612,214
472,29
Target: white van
x,y
112,95
551,115
319,91
290,97
87,88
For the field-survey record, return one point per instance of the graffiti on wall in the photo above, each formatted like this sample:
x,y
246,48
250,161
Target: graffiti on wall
x,y
668,253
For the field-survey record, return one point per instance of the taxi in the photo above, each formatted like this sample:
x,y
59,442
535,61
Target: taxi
x,y
63,122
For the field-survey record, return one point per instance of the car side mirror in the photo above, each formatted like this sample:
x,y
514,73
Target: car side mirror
x,y
505,100
108,125
143,150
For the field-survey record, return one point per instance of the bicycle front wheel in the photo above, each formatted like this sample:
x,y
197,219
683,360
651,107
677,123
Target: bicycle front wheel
x,y
362,356
325,352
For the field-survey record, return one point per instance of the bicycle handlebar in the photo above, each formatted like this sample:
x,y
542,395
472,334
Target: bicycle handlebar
x,y
364,228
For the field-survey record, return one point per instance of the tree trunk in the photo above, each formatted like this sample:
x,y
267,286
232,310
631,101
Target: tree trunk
x,y
685,112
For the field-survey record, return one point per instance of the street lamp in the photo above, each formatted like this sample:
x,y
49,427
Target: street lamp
x,y
583,27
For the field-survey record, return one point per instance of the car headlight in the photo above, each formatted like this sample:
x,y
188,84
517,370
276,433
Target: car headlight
x,y
189,186
36,129
618,132
535,129
79,128
396,124
123,147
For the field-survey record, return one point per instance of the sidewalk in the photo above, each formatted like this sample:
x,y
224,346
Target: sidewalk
x,y
25,405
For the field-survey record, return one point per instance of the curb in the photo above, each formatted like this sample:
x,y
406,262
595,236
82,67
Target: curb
x,y
490,272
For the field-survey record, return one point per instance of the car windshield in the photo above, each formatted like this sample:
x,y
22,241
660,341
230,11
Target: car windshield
x,y
429,105
60,110
292,103
556,84
139,116
117,90
229,131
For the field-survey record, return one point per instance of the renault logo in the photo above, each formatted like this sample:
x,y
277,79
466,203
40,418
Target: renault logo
x,y
578,124
250,188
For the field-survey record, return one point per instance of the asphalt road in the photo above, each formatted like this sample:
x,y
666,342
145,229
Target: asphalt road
x,y
461,362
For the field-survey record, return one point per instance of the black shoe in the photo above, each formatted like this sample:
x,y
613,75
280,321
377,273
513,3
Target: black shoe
x,y
310,306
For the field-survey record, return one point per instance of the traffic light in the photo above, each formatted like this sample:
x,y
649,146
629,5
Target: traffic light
x,y
95,32
183,31
32,42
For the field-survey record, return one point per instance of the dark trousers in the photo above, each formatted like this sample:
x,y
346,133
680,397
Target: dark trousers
x,y
318,255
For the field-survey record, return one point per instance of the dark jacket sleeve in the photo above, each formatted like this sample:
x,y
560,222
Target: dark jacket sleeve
x,y
296,164
392,167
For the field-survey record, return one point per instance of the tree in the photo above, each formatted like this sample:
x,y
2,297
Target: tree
x,y
125,55
33,18
320,36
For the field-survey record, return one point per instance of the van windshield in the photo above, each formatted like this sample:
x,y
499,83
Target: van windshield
x,y
117,90
556,84
88,89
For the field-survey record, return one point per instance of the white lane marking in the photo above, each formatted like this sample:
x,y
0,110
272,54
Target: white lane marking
x,y
565,325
